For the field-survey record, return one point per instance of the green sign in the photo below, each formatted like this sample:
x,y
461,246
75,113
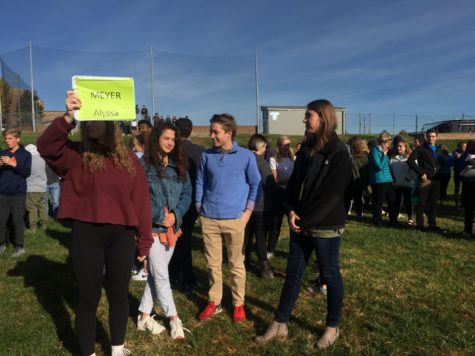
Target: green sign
x,y
105,98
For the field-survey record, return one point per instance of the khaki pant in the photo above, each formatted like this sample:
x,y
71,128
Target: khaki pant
x,y
36,206
232,231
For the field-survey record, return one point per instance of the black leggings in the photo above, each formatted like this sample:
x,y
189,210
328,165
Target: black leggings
x,y
93,247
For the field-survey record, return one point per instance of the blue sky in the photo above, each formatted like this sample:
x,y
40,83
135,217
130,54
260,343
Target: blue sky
x,y
379,57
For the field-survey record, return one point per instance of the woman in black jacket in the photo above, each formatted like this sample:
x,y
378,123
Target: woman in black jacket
x,y
315,202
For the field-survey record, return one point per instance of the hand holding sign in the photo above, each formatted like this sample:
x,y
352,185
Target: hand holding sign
x,y
72,103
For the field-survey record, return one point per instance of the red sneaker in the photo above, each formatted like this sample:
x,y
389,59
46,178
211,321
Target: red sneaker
x,y
239,314
209,311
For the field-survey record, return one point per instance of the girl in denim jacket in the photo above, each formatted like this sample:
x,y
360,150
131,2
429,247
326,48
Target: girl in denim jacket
x,y
169,185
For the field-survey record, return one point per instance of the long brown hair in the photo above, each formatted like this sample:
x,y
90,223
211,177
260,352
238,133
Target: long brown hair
x,y
153,154
327,114
93,152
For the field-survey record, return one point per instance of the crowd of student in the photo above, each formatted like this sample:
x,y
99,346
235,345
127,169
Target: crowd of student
x,y
131,209
415,178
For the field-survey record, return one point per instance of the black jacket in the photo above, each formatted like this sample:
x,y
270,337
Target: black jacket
x,y
422,161
316,188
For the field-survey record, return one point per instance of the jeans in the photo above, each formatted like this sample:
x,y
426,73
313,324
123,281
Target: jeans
x,y
52,197
182,260
158,281
428,200
381,192
16,206
258,226
327,250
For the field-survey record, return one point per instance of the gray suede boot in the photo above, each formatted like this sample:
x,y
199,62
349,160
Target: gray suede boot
x,y
274,331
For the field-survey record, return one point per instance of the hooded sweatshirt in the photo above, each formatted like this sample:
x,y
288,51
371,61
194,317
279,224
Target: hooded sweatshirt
x,y
37,181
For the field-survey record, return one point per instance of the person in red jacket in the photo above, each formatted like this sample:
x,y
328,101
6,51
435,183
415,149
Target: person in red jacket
x,y
104,192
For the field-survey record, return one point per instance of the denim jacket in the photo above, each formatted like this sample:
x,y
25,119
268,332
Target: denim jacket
x,y
167,191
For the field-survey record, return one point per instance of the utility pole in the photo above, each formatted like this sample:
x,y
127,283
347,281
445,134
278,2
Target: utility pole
x,y
33,120
369,123
417,123
394,124
359,124
257,93
151,82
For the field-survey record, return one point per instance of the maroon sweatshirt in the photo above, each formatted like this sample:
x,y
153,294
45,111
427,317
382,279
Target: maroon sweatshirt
x,y
112,196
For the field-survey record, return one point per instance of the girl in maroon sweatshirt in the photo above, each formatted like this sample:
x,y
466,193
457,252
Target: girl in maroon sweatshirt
x,y
105,194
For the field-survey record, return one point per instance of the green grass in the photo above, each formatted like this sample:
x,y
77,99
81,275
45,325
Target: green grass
x,y
405,293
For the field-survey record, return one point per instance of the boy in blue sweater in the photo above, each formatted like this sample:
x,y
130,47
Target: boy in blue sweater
x,y
15,167
226,191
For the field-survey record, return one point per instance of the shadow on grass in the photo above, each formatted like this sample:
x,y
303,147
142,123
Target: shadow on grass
x,y
55,290
63,237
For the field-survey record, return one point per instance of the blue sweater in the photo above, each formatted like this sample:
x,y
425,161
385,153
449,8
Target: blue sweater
x,y
13,179
227,183
379,169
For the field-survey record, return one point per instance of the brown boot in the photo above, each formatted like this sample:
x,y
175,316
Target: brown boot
x,y
328,338
266,271
275,330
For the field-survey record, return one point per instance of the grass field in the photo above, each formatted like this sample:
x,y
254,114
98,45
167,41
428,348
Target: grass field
x,y
406,292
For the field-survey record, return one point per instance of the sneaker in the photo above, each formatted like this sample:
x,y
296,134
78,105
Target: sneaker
x,y
150,324
239,314
177,329
323,289
410,222
3,248
18,252
209,311
120,351
141,276
270,255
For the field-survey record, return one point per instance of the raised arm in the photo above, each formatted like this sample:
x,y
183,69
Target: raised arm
x,y
54,145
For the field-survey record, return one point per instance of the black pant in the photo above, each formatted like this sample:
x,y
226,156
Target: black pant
x,y
382,192
428,200
93,247
468,196
258,226
275,225
400,193
182,260
444,183
16,206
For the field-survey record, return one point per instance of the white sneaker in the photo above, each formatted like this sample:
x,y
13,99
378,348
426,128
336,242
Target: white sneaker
x,y
177,329
120,351
150,324
270,255
141,276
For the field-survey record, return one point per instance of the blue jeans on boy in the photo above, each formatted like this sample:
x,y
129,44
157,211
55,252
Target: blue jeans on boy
x,y
52,190
301,248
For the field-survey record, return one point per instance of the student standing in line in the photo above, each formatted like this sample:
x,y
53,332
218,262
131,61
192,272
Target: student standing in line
x,y
36,191
226,191
182,261
15,168
468,188
316,204
426,160
282,166
259,222
105,194
458,167
170,193
381,179
403,179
